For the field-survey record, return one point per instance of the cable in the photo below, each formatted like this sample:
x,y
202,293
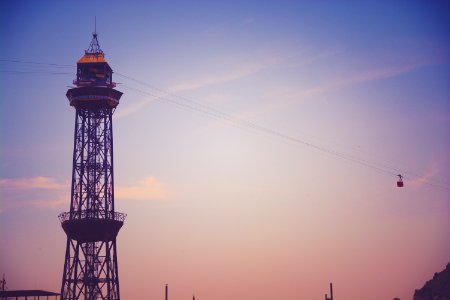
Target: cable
x,y
213,112
34,72
36,63
269,132
197,107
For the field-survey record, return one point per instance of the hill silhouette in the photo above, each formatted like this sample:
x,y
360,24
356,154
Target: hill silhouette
x,y
437,288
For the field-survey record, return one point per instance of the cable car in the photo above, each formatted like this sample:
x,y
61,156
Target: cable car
x,y
400,180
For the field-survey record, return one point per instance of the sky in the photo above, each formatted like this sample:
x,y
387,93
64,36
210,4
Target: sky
x,y
256,145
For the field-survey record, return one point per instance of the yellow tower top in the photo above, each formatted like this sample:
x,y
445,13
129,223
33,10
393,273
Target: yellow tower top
x,y
92,67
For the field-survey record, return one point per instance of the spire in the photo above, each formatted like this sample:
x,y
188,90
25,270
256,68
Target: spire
x,y
94,47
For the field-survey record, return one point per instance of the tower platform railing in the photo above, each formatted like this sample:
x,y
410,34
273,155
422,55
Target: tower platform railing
x,y
92,214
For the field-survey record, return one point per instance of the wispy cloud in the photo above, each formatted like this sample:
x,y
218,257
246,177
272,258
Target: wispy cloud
x,y
153,94
198,83
291,96
146,189
130,109
294,95
39,191
47,192
39,182
366,76
57,201
426,178
189,85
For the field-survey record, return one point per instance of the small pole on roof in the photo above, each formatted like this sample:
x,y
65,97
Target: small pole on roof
x,y
95,25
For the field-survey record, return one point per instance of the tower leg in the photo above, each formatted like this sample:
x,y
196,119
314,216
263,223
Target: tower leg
x,y
90,271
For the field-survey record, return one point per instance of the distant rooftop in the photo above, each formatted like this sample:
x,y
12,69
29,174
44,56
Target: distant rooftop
x,y
27,293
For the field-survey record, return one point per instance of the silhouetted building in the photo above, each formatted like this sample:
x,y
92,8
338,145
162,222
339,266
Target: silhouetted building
x,y
28,294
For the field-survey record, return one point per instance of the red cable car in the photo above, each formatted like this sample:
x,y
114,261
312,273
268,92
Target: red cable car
x,y
400,180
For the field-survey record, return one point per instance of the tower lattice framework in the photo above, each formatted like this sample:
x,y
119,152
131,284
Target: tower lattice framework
x,y
92,224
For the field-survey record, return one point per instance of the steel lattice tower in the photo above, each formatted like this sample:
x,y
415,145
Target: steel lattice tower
x,y
92,224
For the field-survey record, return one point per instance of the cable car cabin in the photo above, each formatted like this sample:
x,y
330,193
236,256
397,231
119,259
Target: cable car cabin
x,y
400,181
93,70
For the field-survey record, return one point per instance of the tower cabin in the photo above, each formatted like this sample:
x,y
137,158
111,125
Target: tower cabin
x,y
93,69
94,85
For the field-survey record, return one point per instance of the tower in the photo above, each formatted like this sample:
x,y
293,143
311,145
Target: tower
x,y
92,224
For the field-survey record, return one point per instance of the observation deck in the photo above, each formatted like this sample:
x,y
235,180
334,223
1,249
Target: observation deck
x,y
93,96
92,226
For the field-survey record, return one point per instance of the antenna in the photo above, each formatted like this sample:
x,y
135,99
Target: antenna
x,y
3,286
94,47
331,292
167,292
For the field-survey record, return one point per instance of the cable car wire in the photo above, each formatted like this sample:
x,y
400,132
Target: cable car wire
x,y
213,112
33,67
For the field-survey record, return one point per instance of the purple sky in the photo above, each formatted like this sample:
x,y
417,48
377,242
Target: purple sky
x,y
256,145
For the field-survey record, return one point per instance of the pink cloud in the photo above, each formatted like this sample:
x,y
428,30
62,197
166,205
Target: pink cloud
x,y
39,182
47,192
148,188
39,191
60,200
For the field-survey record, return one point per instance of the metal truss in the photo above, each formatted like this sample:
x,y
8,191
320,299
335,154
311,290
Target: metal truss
x,y
92,176
90,267
90,271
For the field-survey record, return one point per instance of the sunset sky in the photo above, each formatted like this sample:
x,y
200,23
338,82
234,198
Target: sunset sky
x,y
256,145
